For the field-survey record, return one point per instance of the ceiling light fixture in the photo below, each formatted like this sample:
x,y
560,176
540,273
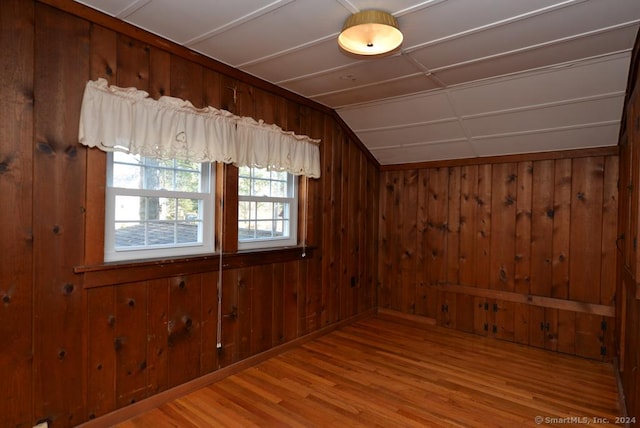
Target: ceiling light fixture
x,y
370,32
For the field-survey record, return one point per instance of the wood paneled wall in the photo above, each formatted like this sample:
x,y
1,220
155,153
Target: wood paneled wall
x,y
628,283
80,339
519,248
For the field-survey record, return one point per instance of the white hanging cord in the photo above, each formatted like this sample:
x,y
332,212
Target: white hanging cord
x,y
219,327
304,220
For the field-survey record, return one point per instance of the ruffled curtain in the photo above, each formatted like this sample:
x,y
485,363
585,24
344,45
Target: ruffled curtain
x,y
126,119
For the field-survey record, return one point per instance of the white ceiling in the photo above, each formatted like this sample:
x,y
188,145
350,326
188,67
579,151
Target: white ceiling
x,y
472,78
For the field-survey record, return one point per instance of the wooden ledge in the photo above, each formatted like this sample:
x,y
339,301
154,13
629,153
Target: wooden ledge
x,y
546,302
105,274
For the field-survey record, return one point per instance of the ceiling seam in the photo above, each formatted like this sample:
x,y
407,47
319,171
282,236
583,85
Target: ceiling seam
x,y
536,46
497,24
428,74
522,109
236,22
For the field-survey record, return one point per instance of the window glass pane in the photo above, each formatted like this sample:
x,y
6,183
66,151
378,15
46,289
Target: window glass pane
x,y
279,210
132,172
120,157
261,173
188,231
190,209
157,179
279,175
244,186
127,176
166,163
187,181
245,230
261,188
264,210
128,208
129,234
161,233
264,229
246,210
279,189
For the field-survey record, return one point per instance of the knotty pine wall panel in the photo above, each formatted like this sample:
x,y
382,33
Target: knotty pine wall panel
x,y
59,182
16,215
485,240
98,348
627,291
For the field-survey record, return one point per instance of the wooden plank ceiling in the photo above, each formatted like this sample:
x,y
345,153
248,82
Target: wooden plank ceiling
x,y
473,78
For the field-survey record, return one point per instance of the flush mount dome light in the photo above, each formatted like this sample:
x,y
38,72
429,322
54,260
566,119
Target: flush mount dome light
x,y
370,32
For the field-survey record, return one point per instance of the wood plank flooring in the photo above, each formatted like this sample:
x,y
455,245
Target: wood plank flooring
x,y
388,372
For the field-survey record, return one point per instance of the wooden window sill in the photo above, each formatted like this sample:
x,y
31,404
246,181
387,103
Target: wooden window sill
x,y
104,274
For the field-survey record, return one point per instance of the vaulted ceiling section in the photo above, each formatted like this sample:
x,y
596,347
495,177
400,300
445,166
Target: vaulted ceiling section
x,y
472,78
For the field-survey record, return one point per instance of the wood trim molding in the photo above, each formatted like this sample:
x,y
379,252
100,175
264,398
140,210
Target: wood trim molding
x,y
546,302
563,154
151,403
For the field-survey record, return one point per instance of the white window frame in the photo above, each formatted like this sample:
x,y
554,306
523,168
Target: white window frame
x,y
206,235
292,201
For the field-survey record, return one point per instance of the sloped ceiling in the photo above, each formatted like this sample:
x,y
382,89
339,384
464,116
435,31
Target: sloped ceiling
x,y
472,78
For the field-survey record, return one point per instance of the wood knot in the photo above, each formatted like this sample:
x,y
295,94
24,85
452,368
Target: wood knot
x,y
551,213
108,71
182,285
45,148
4,167
68,288
117,343
62,353
71,151
56,229
187,321
6,299
580,196
111,320
131,303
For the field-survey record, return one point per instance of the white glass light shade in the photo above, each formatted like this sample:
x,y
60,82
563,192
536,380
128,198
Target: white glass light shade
x,y
370,32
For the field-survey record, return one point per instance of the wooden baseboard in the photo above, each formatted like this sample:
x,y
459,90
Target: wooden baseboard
x,y
135,409
621,397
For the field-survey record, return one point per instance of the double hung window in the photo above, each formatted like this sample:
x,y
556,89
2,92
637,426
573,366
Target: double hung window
x,y
267,208
157,208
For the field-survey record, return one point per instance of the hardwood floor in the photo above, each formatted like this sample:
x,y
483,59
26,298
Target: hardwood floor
x,y
386,372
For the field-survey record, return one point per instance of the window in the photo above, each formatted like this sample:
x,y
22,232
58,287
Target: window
x,y
267,208
157,208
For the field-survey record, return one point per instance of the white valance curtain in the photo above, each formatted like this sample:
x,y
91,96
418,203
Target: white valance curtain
x,y
126,119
